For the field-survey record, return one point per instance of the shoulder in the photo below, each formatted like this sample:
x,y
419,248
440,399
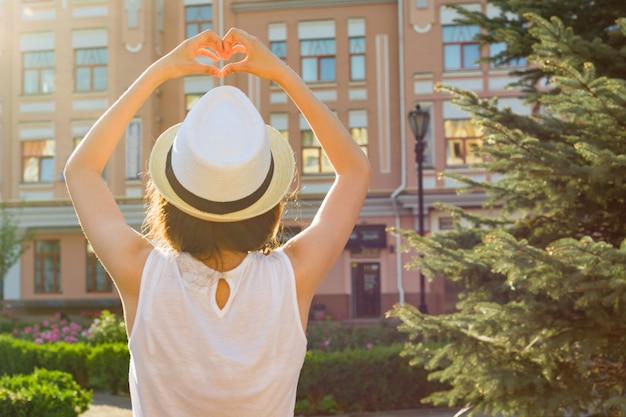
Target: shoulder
x,y
277,260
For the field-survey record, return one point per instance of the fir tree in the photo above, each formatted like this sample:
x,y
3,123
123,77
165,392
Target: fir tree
x,y
541,323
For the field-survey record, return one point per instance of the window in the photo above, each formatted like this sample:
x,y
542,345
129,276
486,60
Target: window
x,y
47,266
314,160
460,50
90,66
98,280
38,72
318,59
358,128
190,100
462,137
279,48
356,34
500,47
280,122
317,50
198,19
38,160
357,58
277,33
446,223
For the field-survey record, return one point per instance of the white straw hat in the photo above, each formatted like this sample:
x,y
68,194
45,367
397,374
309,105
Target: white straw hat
x,y
222,163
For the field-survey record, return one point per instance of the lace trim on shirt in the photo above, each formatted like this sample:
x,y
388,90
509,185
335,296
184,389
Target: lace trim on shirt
x,y
198,275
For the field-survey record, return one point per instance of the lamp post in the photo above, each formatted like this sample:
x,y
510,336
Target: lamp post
x,y
418,119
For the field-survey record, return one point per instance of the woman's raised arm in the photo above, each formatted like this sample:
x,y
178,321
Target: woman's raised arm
x,y
316,249
121,249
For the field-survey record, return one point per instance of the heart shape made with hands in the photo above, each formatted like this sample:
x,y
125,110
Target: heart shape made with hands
x,y
222,53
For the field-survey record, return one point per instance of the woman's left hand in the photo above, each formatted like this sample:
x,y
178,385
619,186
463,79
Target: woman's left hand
x,y
182,61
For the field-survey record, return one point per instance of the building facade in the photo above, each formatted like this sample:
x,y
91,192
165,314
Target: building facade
x,y
63,62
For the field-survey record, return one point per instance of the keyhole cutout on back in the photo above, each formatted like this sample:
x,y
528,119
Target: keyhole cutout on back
x,y
222,294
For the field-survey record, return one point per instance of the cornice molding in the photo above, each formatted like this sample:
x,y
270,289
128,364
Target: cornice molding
x,y
258,6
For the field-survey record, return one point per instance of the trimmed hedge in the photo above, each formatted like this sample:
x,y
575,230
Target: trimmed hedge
x,y
109,362
42,393
23,357
361,380
352,380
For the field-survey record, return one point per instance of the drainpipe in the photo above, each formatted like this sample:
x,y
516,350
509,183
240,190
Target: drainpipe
x,y
220,27
220,22
403,169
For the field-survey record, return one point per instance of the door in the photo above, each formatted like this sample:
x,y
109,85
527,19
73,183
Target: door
x,y
366,289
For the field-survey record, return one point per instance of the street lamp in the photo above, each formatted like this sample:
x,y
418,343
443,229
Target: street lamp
x,y
418,119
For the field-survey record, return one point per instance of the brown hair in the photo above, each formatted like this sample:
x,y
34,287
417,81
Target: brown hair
x,y
206,239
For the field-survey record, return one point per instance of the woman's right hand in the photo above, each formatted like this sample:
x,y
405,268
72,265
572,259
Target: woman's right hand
x,y
258,60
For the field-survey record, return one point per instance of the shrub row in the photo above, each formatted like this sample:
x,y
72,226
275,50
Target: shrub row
x,y
105,364
42,393
360,380
352,380
333,335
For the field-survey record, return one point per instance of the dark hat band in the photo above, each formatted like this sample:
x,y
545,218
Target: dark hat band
x,y
215,207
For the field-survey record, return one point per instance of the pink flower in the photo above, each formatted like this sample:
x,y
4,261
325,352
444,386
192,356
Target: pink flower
x,y
39,341
46,323
28,329
369,345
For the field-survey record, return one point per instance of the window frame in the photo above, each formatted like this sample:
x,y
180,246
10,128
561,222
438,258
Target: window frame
x,y
358,122
93,268
92,68
323,164
354,55
40,160
461,44
198,25
283,43
190,100
465,148
319,59
39,270
44,86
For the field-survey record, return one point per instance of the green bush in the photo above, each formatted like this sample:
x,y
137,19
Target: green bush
x,y
333,335
7,322
42,393
361,380
107,328
17,356
23,357
352,380
108,363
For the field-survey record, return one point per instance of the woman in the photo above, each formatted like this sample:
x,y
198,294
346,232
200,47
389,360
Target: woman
x,y
216,328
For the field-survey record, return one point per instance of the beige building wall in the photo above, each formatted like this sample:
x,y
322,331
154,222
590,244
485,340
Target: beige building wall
x,y
404,60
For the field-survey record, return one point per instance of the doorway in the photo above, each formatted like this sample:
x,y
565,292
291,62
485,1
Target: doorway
x,y
365,289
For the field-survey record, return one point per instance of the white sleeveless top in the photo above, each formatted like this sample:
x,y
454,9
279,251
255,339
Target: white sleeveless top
x,y
191,359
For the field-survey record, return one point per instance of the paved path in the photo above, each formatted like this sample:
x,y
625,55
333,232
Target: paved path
x,y
105,405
